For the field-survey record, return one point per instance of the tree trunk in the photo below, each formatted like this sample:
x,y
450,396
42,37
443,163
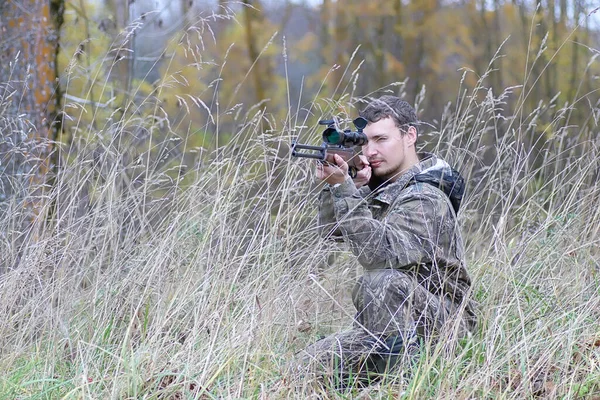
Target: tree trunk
x,y
341,45
398,48
552,74
379,54
488,54
499,38
563,13
121,72
251,9
538,67
324,34
575,55
29,97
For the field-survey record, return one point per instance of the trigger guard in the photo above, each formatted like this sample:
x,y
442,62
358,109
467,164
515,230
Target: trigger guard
x,y
352,171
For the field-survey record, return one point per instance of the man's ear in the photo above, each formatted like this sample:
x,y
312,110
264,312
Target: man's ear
x,y
411,136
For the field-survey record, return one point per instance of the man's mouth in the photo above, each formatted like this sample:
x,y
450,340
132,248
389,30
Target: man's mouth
x,y
375,163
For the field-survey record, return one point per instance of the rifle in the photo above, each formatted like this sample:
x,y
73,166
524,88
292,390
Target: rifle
x,y
336,141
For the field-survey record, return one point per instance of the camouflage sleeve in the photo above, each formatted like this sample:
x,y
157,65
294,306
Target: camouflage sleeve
x,y
328,227
327,221
404,238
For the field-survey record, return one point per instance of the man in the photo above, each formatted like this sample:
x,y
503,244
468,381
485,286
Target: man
x,y
398,216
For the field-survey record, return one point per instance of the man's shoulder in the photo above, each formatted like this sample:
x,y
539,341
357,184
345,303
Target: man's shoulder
x,y
422,195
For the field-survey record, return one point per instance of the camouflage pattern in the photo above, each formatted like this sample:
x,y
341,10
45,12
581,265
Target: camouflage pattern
x,y
406,226
352,358
405,235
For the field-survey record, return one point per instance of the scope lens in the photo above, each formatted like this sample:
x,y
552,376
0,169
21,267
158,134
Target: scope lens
x,y
332,136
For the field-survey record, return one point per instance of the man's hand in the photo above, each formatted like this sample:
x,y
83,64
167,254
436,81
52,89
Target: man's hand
x,y
363,175
333,173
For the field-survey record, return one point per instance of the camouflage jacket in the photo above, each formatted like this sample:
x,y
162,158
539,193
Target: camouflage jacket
x,y
409,225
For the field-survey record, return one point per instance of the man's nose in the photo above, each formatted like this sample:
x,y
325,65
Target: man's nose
x,y
368,151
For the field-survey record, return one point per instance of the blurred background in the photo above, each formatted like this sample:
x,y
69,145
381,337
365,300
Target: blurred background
x,y
96,58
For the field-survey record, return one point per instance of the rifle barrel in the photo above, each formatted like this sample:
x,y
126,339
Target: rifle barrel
x,y
299,146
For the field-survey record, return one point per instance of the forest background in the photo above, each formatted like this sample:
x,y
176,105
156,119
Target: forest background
x,y
158,240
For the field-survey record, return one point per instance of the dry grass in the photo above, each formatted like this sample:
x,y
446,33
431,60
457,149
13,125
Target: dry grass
x,y
143,279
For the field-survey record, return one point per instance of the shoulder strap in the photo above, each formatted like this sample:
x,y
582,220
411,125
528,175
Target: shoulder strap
x,y
454,207
452,186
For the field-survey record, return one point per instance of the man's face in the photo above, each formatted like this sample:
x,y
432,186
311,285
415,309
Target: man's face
x,y
389,151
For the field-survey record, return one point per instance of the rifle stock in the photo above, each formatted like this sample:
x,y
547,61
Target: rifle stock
x,y
320,153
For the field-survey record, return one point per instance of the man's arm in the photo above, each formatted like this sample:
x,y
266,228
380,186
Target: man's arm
x,y
327,220
407,236
328,226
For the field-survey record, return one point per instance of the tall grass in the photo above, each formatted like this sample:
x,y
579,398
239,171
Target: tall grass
x,y
142,279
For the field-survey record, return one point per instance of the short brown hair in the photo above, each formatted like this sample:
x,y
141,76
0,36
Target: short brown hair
x,y
387,106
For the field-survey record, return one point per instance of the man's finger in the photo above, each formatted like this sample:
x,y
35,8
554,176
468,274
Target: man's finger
x,y
339,160
329,158
363,161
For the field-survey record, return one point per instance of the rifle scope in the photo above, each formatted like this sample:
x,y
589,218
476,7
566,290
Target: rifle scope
x,y
345,138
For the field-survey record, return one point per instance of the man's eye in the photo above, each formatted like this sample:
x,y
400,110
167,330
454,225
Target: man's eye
x,y
381,139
